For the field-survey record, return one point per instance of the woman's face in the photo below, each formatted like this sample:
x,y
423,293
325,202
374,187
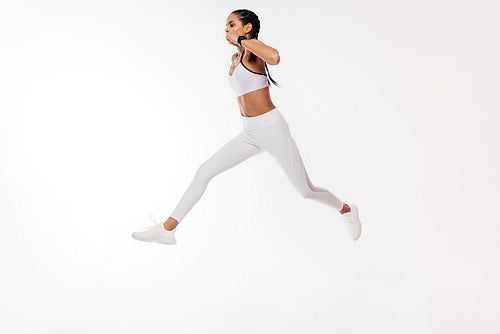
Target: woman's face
x,y
234,24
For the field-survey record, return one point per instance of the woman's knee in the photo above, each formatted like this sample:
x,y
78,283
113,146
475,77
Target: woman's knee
x,y
205,171
307,192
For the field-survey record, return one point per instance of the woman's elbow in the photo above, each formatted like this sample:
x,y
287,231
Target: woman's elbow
x,y
275,59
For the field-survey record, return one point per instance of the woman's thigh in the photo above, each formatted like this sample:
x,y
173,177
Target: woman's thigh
x,y
279,143
237,150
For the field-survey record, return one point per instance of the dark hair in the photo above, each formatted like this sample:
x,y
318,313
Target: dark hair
x,y
247,16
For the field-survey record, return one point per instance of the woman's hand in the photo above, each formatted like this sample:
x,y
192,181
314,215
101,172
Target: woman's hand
x,y
232,37
232,43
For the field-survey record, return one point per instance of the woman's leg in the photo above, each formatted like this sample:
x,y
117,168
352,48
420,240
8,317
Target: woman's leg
x,y
231,154
279,143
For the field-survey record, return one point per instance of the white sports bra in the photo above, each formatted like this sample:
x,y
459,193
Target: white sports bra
x,y
246,81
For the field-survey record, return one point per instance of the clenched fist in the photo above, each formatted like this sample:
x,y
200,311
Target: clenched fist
x,y
232,37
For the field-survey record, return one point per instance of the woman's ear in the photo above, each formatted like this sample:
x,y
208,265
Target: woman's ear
x,y
249,29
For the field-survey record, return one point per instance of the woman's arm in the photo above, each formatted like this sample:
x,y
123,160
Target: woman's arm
x,y
269,54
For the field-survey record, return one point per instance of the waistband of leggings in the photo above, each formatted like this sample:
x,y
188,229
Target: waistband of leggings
x,y
267,119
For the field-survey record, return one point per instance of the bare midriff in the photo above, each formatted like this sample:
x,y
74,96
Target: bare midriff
x,y
255,103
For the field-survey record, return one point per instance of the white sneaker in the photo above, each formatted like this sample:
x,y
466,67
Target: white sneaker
x,y
156,233
352,222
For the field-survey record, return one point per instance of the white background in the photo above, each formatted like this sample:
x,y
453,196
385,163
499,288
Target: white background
x,y
107,108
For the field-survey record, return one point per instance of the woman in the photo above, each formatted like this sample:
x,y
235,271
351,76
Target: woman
x,y
264,129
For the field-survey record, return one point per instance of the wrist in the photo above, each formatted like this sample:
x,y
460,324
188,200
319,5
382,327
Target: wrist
x,y
241,39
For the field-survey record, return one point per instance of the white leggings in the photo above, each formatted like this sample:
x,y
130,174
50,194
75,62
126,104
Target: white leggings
x,y
267,132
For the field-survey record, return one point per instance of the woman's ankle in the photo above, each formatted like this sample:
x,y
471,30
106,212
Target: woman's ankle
x,y
345,208
170,224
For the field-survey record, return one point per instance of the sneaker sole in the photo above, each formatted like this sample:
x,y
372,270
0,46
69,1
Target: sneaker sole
x,y
164,242
167,242
355,209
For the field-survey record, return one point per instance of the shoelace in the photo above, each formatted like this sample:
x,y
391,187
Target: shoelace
x,y
153,218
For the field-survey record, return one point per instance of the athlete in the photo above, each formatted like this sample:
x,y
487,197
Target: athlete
x,y
264,129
